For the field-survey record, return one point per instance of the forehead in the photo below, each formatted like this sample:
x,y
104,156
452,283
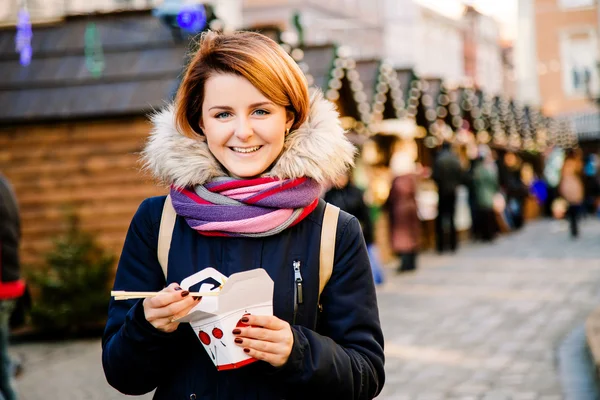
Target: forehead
x,y
230,90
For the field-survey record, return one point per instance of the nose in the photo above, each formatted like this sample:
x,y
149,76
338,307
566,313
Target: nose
x,y
244,129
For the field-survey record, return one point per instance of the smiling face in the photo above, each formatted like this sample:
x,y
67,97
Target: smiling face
x,y
244,130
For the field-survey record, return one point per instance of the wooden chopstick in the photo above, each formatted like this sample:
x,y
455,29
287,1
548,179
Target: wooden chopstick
x,y
125,295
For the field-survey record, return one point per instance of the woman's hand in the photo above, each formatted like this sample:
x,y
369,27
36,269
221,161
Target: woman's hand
x,y
267,338
170,304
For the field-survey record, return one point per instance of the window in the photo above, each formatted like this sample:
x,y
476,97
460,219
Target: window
x,y
568,4
578,55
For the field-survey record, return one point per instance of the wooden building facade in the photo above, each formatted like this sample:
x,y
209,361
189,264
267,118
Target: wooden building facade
x,y
69,137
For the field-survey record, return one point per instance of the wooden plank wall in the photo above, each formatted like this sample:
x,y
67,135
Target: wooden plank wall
x,y
90,167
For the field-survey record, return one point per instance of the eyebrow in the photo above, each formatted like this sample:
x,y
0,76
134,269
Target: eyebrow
x,y
262,103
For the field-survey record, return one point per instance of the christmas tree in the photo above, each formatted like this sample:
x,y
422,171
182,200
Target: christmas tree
x,y
71,291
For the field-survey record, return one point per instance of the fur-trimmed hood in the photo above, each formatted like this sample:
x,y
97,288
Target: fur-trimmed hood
x,y
318,149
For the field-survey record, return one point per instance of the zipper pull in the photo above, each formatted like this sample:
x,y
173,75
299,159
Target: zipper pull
x,y
298,279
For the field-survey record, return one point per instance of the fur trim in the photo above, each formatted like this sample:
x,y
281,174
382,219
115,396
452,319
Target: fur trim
x,y
318,149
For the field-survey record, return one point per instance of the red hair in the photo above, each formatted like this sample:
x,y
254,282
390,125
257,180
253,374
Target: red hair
x,y
248,54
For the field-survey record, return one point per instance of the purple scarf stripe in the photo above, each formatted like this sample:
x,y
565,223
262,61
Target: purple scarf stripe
x,y
296,197
217,213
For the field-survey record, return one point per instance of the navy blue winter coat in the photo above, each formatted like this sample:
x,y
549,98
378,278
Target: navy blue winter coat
x,y
337,351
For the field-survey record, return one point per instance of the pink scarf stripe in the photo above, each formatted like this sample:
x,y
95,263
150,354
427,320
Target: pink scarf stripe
x,y
192,196
289,185
250,225
237,183
250,190
239,197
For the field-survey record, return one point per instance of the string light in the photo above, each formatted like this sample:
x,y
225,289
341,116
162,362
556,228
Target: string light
x,y
344,67
297,54
492,120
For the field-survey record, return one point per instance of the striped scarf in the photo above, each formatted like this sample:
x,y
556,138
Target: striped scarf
x,y
246,207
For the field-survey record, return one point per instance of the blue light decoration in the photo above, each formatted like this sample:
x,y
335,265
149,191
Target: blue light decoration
x,y
23,37
182,15
192,18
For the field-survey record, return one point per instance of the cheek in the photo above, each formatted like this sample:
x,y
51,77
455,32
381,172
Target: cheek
x,y
216,134
276,132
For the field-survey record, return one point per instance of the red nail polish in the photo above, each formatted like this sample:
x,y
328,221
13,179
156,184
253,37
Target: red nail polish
x,y
245,319
197,298
238,340
236,331
246,350
185,293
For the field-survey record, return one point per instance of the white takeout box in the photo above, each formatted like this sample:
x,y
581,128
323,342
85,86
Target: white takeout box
x,y
214,318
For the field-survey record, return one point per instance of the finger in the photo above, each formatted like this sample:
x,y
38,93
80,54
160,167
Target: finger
x,y
185,311
257,333
172,309
259,345
266,321
174,286
273,359
167,297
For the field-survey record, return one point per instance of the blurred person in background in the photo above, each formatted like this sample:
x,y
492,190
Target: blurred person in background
x,y
405,226
475,160
571,188
11,286
486,185
515,189
350,198
591,183
554,159
447,174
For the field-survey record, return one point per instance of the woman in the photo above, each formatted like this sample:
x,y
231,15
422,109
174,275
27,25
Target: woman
x,y
405,226
243,118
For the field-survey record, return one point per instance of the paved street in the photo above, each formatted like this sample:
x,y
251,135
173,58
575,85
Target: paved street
x,y
483,324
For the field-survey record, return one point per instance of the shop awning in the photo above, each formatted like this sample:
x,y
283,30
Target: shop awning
x,y
586,125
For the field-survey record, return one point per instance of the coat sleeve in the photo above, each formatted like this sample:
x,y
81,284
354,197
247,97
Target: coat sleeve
x,y
134,353
345,360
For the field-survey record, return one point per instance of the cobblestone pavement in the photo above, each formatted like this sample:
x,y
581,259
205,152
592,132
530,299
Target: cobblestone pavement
x,y
482,324
486,323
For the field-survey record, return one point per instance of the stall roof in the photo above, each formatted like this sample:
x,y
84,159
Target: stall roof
x,y
389,101
368,71
142,62
319,62
336,74
586,125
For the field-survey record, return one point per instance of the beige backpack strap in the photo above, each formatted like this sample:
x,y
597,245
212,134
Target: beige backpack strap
x,y
167,223
328,233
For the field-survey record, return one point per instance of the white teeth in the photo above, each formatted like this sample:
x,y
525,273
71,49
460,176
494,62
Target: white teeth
x,y
246,149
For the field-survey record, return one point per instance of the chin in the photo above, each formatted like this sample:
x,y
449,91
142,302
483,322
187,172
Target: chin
x,y
247,173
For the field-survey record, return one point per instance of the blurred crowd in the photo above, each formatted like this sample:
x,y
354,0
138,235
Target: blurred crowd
x,y
471,191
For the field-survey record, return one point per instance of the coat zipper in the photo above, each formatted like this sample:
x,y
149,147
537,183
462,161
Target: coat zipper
x,y
298,295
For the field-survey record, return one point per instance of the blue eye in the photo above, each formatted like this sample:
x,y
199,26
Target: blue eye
x,y
222,115
261,112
